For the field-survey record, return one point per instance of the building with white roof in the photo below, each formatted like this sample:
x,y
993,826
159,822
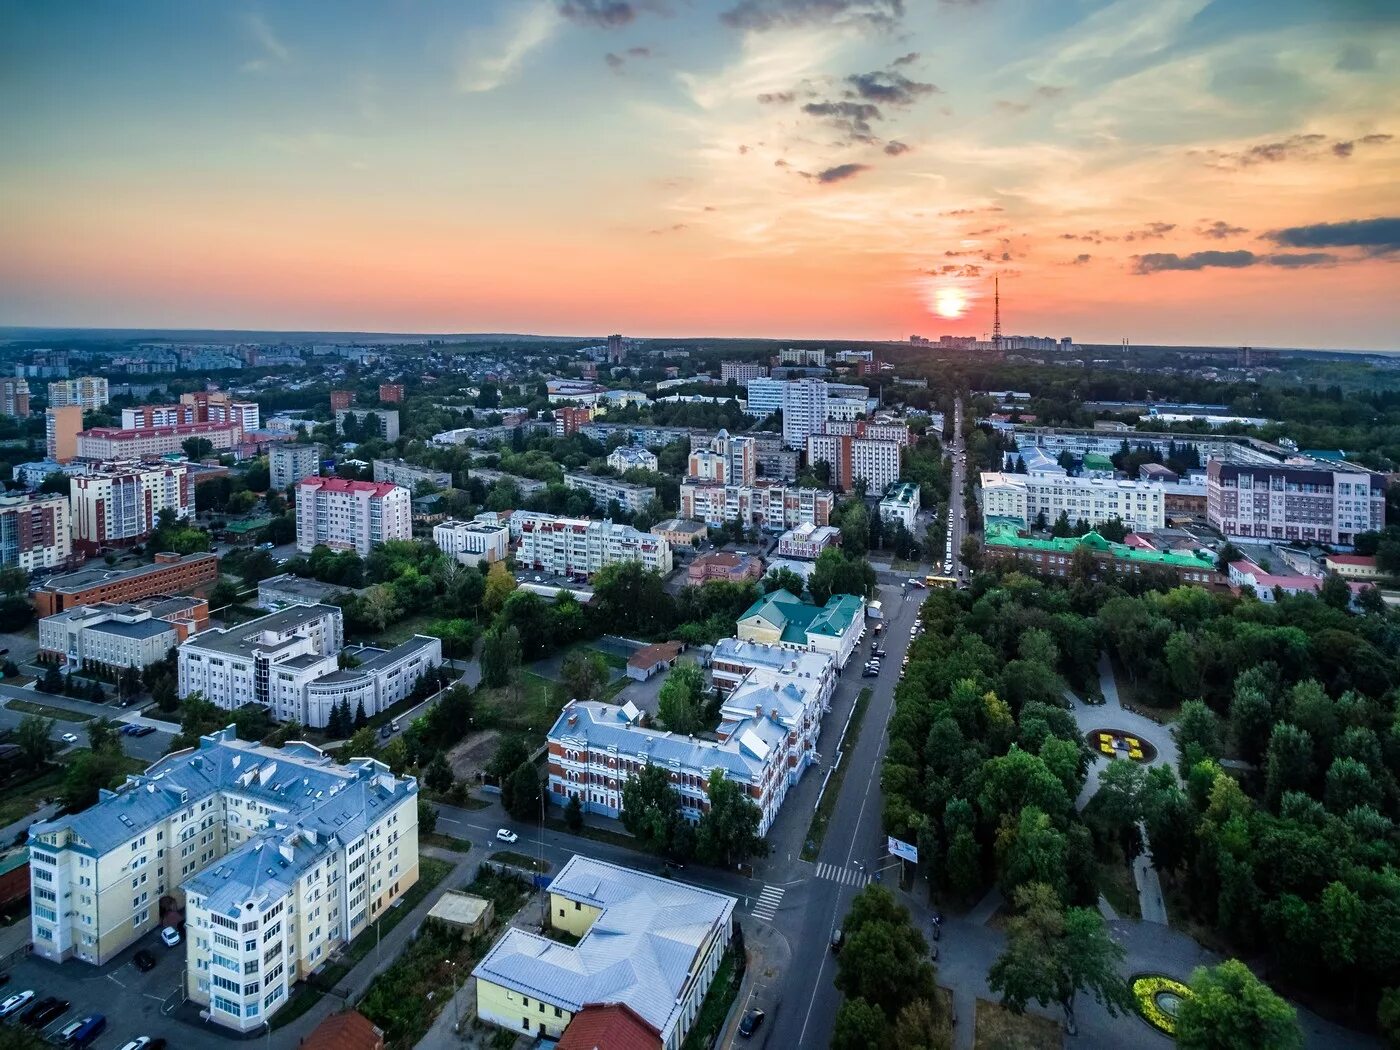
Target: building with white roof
x,y
808,541
900,504
486,538
649,944
629,457
1140,504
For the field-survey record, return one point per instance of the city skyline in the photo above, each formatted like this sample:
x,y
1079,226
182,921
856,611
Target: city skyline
x,y
1196,172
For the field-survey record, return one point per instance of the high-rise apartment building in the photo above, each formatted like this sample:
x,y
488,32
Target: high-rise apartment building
x,y
391,393
726,459
579,547
804,410
85,392
289,463
61,429
119,505
110,443
1299,501
569,418
802,358
341,399
306,853
617,349
351,515
384,420
854,453
741,371
158,416
765,504
409,475
34,532
1141,505
14,397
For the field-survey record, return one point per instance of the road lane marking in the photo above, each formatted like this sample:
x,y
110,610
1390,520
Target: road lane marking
x,y
768,902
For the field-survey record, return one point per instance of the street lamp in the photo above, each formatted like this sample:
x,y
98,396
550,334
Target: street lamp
x,y
456,1003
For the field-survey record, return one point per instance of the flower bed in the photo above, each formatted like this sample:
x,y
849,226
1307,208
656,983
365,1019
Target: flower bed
x,y
1157,998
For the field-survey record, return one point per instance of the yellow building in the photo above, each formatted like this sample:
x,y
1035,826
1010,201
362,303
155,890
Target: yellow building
x,y
1353,566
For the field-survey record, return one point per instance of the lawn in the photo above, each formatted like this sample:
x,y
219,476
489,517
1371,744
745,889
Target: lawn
x,y
1115,881
716,1006
1000,1029
59,714
531,709
20,798
402,631
816,831
447,842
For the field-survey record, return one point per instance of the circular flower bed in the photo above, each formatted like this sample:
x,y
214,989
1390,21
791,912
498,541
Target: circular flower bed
x,y
1116,743
1157,998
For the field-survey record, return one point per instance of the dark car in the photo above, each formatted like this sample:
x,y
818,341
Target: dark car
x,y
144,961
878,652
44,1011
144,730
749,1025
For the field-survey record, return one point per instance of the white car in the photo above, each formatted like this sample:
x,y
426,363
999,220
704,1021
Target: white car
x,y
506,835
137,1043
170,936
15,1003
70,738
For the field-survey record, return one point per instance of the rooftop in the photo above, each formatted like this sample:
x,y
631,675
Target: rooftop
x,y
374,488
798,619
1005,532
314,591
901,492
244,638
97,575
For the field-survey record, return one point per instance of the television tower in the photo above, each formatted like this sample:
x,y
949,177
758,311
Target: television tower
x,y
996,315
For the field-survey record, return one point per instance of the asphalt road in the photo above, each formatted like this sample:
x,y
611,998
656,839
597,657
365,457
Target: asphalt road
x,y
957,510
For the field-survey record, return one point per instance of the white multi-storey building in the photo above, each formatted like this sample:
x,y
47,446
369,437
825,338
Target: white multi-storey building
x,y
119,504
282,854
726,459
121,443
385,419
85,392
804,411
351,515
766,504
35,531
157,416
579,547
483,539
900,504
1140,504
289,463
855,457
1307,501
631,498
399,472
113,636
246,414
628,457
808,541
742,372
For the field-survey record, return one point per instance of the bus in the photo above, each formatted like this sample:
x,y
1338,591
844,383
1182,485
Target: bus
x,y
941,581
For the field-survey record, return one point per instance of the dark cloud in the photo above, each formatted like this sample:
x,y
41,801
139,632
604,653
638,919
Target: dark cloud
x,y
1356,58
605,14
743,149
1088,237
777,97
780,163
1303,259
894,147
1374,140
1237,260
1151,232
953,270
1049,91
841,172
1081,259
1375,236
639,52
986,231
974,211
1311,146
851,117
1007,106
710,207
615,61
763,15
906,60
887,87
1220,230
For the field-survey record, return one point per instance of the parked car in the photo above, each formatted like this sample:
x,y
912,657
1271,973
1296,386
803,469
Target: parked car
x,y
45,1012
88,1029
749,1025
506,835
170,936
4,652
139,1043
838,938
16,1002
878,654
144,730
70,738
144,961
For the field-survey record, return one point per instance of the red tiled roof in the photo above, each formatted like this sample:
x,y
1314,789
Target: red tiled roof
x,y
376,488
612,1027
1368,560
349,1030
653,654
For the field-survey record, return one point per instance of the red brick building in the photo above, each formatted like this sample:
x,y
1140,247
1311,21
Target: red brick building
x,y
171,574
391,393
341,399
724,565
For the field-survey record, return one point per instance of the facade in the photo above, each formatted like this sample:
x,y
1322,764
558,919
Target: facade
x,y
628,457
342,399
1299,501
351,515
679,532
579,547
1055,557
802,358
170,574
34,473
383,678
283,857
35,532
1354,566
804,410
14,397
853,458
646,949
386,419
631,498
399,472
113,637
120,505
158,416
765,396
726,459
484,539
808,541
289,463
1248,578
84,392
61,429
900,504
118,443
765,504
1140,504
728,566
391,393
871,430
741,371
568,419
781,619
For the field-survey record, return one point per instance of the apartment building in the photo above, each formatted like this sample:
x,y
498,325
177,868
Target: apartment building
x,y
630,457
1140,504
341,399
631,498
765,396
112,637
289,463
569,419
597,992
870,430
158,416
84,392
741,371
579,547
122,443
61,429
900,504
391,393
483,539
282,854
401,472
170,574
804,411
351,515
802,358
853,459
724,458
386,420
14,397
119,505
1302,501
765,504
1056,556
35,531
808,541
527,487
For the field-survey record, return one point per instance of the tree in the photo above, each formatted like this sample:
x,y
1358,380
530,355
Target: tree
x,y
584,674
1119,801
884,959
32,737
1228,553
1229,1007
921,1026
573,814
855,529
1335,591
1251,721
522,795
679,702
89,774
438,775
197,447
1289,763
728,832
499,585
1053,953
859,1026
510,753
500,656
360,720
102,736
52,682
1197,733
783,578
380,607
361,743
651,810
427,817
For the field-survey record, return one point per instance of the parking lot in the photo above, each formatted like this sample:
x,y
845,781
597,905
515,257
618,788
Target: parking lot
x,y
133,1002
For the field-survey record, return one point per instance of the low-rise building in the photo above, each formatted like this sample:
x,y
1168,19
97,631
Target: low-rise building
x,y
781,619
631,498
728,566
645,946
527,487
733,660
653,659
808,541
1248,578
900,504
278,592
35,531
680,533
483,539
579,547
1354,566
112,637
383,678
629,457
1055,557
351,515
400,472
766,504
170,574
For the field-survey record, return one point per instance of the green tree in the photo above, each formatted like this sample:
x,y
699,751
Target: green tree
x,y
922,1026
651,811
884,959
728,831
33,738
1229,1008
859,1026
785,579
1289,762
523,797
1118,804
584,675
102,736
89,774
361,743
1032,850
1335,591
500,656
509,755
499,585
437,776
1197,733
679,704
1251,721
855,529
427,817
573,814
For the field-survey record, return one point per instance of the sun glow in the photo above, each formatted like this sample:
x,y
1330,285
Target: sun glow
x,y
950,302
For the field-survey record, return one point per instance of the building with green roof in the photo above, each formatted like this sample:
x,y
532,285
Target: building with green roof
x,y
1097,465
781,619
1004,540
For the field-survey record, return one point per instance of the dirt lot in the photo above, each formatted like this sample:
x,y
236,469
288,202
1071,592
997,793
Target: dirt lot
x,y
469,757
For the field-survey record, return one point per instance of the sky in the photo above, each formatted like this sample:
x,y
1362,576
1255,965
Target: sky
x,y
1220,172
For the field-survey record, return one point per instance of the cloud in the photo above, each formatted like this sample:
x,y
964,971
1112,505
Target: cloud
x,y
1375,236
673,228
894,147
1158,262
1303,259
603,14
906,60
1310,146
954,270
1049,91
956,212
486,64
617,62
887,87
1220,230
1081,259
274,52
768,98
1356,58
1151,232
851,117
841,172
761,16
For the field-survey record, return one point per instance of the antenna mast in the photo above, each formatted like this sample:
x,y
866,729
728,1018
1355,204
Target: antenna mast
x,y
996,315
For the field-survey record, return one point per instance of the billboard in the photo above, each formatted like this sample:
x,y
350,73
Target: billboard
x,y
903,850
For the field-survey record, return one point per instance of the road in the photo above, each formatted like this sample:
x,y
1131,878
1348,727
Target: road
x,y
957,510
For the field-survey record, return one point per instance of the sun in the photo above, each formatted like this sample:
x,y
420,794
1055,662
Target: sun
x,y
950,302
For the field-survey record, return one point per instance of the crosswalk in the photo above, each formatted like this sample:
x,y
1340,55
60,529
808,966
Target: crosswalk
x,y
768,902
842,876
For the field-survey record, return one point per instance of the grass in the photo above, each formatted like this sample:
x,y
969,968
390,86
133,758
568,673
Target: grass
x,y
519,860
402,631
447,842
816,831
18,800
58,714
1000,1029
716,1006
1115,882
533,711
